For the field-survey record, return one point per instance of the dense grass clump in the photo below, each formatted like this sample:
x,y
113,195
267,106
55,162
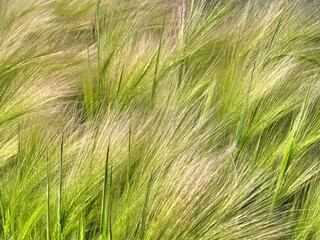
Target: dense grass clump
x,y
159,119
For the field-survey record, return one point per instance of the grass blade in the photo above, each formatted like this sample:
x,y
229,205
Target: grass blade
x,y
119,86
3,217
157,63
129,156
11,224
144,213
59,193
81,227
19,150
48,199
240,129
276,30
104,192
109,206
98,53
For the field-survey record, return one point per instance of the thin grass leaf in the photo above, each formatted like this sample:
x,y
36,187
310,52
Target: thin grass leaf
x,y
110,206
240,129
19,150
2,211
119,85
255,155
81,227
11,224
275,32
144,213
103,232
129,158
98,51
59,193
128,174
48,200
157,63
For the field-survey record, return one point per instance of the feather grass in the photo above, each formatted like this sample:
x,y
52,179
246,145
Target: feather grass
x,y
216,81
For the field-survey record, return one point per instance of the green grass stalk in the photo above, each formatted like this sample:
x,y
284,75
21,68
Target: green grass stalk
x,y
110,206
3,218
48,200
104,195
244,110
129,158
154,84
60,188
98,50
144,213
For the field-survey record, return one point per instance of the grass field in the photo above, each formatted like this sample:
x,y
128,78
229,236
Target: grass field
x,y
159,119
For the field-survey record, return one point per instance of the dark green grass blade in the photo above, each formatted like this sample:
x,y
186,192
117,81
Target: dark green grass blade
x,y
109,206
154,84
144,213
2,211
129,156
11,224
274,33
240,129
128,174
119,85
98,53
104,193
48,200
19,150
59,193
